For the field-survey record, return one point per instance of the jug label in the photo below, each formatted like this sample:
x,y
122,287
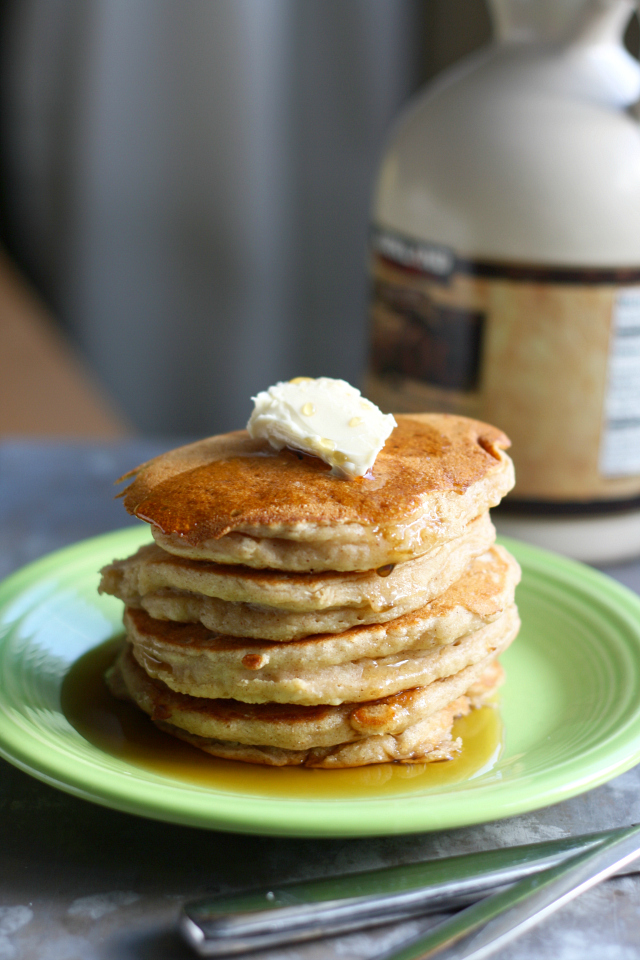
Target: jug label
x,y
418,331
551,354
620,451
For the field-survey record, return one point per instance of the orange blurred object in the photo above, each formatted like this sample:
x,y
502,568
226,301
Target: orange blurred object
x,y
45,390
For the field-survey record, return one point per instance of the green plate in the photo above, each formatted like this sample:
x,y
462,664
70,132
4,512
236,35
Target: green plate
x,y
570,707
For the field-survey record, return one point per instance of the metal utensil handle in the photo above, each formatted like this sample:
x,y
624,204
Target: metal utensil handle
x,y
478,931
228,925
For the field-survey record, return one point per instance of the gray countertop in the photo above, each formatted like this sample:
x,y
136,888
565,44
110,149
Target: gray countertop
x,y
82,882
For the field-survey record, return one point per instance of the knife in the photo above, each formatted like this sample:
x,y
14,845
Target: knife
x,y
487,926
227,925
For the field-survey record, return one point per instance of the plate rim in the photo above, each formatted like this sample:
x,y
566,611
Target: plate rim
x,y
278,817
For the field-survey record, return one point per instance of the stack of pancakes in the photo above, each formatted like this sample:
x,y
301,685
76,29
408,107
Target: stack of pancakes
x,y
287,616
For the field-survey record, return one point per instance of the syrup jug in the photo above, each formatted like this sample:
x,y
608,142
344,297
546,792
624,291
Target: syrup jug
x,y
505,265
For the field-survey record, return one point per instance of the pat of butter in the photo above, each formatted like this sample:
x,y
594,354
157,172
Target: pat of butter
x,y
326,418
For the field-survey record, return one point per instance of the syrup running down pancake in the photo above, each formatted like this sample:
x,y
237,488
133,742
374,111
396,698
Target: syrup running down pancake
x,y
232,499
295,605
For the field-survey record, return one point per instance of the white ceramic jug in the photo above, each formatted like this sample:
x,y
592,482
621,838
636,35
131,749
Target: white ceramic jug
x,y
506,265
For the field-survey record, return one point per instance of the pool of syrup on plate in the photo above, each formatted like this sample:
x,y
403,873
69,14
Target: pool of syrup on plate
x,y
123,731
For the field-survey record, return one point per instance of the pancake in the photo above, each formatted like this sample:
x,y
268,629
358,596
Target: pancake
x,y
152,569
480,596
358,598
427,738
429,741
233,500
359,680
288,616
292,726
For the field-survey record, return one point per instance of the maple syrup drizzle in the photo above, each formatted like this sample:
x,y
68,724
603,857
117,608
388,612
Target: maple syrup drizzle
x,y
261,487
122,730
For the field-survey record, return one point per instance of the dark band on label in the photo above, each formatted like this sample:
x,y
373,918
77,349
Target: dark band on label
x,y
512,506
439,263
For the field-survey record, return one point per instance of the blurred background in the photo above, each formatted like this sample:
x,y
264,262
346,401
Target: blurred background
x,y
185,190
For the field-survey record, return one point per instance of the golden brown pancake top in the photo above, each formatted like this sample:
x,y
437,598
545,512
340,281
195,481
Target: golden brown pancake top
x,y
230,482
